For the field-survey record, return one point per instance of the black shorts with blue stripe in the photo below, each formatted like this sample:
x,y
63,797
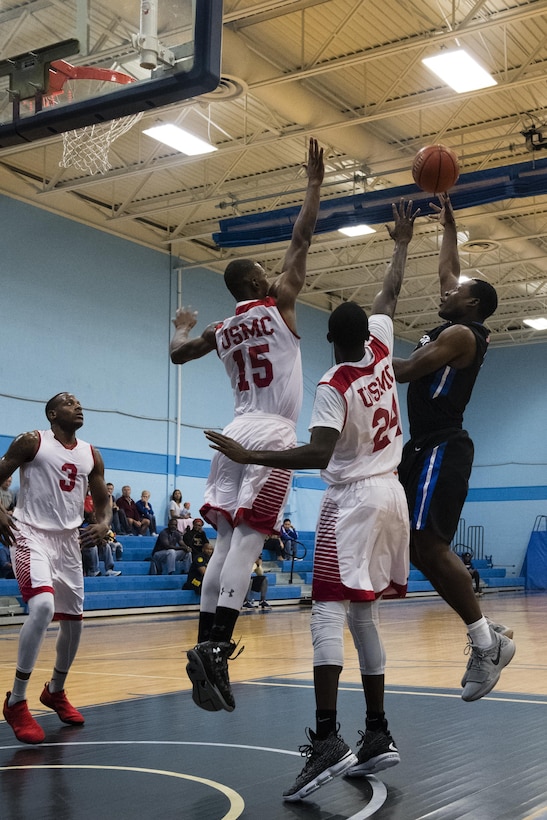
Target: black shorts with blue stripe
x,y
435,472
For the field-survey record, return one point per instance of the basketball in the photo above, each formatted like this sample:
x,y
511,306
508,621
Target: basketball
x,y
435,169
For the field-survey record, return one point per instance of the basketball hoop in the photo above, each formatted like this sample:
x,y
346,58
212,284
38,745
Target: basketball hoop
x,y
87,149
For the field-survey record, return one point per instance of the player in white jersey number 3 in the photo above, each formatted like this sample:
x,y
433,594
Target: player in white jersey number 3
x,y
55,469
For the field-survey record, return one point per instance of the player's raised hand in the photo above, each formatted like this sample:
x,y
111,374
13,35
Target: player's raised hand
x,y
315,166
185,319
443,213
403,219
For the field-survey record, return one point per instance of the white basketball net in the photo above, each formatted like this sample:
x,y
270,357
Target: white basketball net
x,y
88,148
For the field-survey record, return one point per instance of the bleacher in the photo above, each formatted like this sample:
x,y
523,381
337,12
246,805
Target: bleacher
x,y
493,578
288,582
135,589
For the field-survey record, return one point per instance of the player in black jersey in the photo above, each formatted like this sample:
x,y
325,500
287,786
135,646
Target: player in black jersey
x,y
437,460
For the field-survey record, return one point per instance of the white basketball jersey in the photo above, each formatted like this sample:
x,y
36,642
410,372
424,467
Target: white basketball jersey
x,y
262,358
53,485
360,400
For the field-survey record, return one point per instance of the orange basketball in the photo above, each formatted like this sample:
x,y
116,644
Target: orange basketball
x,y
435,169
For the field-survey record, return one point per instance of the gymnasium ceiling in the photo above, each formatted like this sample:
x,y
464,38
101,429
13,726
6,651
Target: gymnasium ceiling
x,y
348,72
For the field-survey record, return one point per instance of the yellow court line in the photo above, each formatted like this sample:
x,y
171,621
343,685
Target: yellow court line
x,y
237,804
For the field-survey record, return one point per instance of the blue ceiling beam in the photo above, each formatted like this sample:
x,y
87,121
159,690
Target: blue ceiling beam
x,y
524,179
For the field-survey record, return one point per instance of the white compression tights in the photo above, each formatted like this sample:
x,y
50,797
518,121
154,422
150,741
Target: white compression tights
x,y
327,628
227,576
40,614
68,641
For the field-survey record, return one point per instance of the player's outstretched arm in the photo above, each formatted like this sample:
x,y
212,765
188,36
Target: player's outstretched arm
x,y
182,349
290,281
315,455
449,260
401,233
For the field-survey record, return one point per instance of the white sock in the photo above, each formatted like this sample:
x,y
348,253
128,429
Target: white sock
x,y
480,634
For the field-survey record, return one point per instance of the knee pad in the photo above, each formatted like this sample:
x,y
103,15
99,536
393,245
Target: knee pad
x,y
41,609
327,631
363,623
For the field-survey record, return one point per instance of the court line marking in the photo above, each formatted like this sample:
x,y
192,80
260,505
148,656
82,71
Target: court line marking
x,y
497,699
237,804
379,789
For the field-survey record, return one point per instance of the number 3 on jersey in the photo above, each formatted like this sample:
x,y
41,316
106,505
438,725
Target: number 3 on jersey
x,y
260,367
383,421
67,484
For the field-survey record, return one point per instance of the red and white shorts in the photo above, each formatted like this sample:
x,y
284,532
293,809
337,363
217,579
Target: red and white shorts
x,y
362,541
249,493
47,561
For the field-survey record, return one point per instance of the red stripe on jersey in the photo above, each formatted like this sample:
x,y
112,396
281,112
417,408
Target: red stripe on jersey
x,y
269,301
268,503
346,374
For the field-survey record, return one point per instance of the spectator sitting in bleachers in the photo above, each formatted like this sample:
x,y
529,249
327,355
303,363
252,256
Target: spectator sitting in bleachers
x,y
115,545
273,543
170,548
197,569
258,583
98,552
289,536
138,523
119,521
195,538
186,513
145,508
467,560
177,511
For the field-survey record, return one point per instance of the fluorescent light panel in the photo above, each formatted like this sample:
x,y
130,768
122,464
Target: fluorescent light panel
x,y
179,139
538,324
459,70
357,230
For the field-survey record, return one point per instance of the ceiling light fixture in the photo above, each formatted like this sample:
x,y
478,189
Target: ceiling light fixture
x,y
538,324
357,230
459,70
179,139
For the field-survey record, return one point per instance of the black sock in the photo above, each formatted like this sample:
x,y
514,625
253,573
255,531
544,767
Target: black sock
x,y
325,723
206,621
225,621
376,721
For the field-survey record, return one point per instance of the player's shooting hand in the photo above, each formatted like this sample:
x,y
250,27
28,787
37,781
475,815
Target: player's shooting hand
x,y
443,214
7,529
403,219
230,448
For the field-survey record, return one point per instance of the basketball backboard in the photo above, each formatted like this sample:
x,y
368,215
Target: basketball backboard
x,y
65,64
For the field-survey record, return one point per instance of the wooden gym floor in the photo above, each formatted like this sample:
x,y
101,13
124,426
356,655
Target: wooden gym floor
x,y
147,751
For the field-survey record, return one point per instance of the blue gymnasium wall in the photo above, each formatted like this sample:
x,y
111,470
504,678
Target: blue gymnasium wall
x,y
90,313
87,312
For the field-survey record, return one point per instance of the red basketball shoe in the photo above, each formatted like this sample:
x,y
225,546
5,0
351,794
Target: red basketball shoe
x,y
59,703
21,721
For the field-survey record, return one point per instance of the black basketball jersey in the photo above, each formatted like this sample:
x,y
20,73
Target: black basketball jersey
x,y
437,401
